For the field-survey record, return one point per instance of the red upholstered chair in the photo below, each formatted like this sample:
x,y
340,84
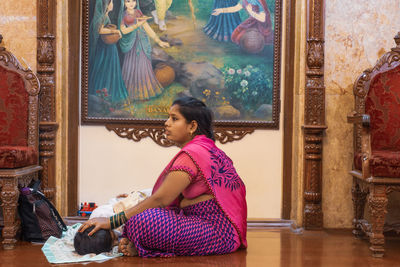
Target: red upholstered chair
x,y
376,167
19,138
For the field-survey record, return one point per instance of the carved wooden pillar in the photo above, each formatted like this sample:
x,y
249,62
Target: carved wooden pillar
x,y
359,198
9,202
377,201
46,57
314,117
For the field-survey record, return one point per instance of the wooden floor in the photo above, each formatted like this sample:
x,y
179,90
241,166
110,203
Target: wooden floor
x,y
266,248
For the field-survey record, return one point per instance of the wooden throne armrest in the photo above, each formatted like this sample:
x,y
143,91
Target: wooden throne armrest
x,y
355,117
364,121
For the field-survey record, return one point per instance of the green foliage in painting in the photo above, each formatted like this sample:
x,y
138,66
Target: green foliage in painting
x,y
249,86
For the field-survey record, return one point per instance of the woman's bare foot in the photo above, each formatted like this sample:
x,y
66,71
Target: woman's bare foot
x,y
127,248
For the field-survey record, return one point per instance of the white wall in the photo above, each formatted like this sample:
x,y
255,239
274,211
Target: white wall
x,y
109,165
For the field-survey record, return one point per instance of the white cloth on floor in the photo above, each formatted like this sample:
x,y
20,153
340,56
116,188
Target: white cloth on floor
x,y
61,250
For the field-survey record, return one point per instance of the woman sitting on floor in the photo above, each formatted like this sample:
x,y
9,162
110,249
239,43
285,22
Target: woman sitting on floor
x,y
198,204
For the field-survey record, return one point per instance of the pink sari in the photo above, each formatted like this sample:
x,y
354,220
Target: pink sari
x,y
217,170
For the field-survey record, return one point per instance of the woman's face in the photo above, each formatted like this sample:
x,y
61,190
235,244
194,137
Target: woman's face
x,y
130,4
177,128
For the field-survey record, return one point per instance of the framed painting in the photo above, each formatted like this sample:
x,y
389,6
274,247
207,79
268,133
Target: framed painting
x,y
138,56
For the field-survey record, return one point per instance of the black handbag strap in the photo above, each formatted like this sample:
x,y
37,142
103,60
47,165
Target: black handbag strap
x,y
36,185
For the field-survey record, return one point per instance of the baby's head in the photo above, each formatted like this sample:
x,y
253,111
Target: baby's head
x,y
101,241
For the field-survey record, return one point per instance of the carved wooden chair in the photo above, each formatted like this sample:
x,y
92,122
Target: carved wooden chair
x,y
376,167
19,138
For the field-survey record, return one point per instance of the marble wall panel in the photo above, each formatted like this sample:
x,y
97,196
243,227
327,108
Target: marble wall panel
x,y
357,33
18,27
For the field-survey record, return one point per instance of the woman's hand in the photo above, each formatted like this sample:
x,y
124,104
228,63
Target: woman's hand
x,y
217,11
98,223
119,33
163,44
141,20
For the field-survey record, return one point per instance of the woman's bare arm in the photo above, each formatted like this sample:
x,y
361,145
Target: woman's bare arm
x,y
172,186
231,9
170,189
131,28
258,16
154,36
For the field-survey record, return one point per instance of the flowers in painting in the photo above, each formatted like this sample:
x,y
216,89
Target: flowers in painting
x,y
214,98
105,101
248,86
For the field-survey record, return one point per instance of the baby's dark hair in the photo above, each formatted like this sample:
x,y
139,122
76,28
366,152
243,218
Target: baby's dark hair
x,y
99,242
195,110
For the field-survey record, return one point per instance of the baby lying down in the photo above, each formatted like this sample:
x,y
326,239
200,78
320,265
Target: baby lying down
x,y
105,240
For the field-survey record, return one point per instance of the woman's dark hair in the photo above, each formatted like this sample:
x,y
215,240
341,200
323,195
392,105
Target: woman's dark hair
x,y
99,242
194,110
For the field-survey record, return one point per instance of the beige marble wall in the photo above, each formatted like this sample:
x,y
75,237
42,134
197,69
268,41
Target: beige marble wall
x,y
18,27
357,33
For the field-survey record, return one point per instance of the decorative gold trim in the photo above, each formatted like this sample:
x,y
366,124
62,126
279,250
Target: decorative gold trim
x,y
157,133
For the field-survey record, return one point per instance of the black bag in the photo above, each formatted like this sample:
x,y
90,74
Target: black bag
x,y
39,218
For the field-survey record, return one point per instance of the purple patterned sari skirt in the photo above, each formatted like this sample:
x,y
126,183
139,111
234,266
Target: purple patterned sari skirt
x,y
199,229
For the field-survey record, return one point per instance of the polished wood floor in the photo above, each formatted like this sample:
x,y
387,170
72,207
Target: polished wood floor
x,y
266,248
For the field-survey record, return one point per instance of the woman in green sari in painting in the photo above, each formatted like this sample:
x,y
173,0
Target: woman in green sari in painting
x,y
105,78
137,71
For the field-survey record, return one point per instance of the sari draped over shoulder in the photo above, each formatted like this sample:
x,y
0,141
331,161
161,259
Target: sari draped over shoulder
x,y
217,170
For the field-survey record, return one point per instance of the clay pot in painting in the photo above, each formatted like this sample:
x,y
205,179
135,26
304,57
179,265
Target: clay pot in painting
x,y
165,74
110,38
252,41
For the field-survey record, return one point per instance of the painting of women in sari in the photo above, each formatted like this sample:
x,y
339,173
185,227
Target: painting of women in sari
x,y
137,71
220,27
105,77
222,52
257,28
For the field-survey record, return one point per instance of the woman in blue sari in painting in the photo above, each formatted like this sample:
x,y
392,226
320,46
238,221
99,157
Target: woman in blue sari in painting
x,y
221,27
104,66
137,71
